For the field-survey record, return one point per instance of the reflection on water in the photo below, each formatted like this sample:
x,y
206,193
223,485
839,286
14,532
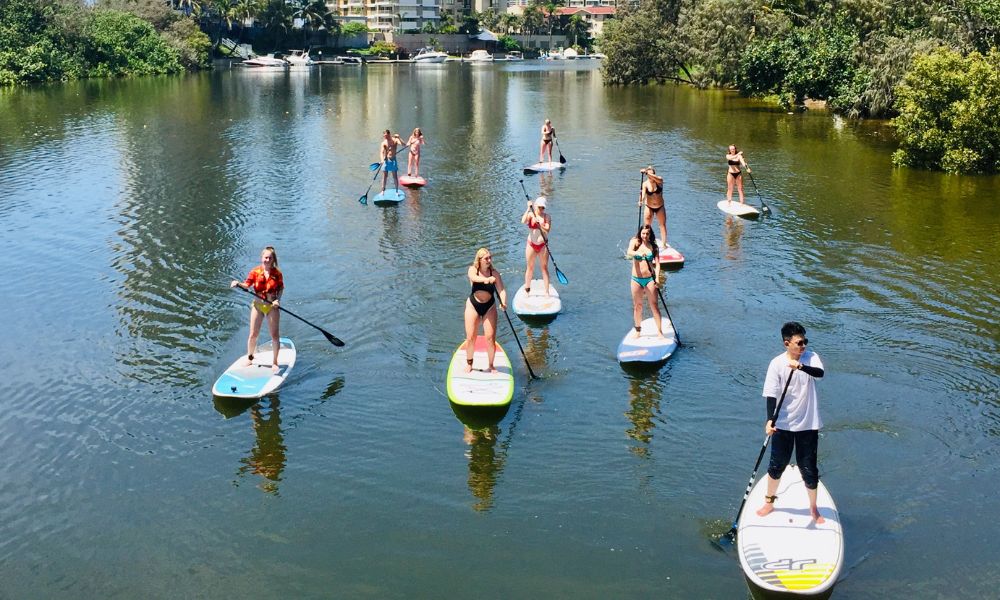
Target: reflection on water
x,y
644,395
480,433
536,346
267,456
732,235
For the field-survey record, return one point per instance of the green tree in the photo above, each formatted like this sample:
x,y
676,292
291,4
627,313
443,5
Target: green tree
x,y
35,46
641,47
276,17
578,30
315,15
531,19
120,43
949,113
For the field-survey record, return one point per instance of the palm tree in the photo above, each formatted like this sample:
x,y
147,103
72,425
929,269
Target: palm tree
x,y
578,28
551,6
507,21
315,15
531,19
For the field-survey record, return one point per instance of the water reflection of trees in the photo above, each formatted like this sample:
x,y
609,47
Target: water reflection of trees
x,y
480,431
732,234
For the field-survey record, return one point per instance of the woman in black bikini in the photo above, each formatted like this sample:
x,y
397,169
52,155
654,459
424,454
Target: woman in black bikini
x,y
480,307
652,196
735,175
548,134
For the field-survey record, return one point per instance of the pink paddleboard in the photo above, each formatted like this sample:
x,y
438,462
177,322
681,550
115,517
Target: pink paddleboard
x,y
412,181
670,258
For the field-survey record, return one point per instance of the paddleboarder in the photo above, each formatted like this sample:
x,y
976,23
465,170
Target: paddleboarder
x,y
651,195
734,173
799,423
387,154
643,251
539,224
416,142
481,306
548,134
266,282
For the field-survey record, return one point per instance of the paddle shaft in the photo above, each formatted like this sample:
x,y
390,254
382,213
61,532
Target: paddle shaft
x,y
760,457
763,204
562,159
519,347
559,274
329,336
642,181
659,293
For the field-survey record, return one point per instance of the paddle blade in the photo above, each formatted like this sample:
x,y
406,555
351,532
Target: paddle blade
x,y
373,166
562,278
333,339
363,199
562,158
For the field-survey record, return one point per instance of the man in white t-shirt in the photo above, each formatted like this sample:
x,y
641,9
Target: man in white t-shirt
x,y
797,425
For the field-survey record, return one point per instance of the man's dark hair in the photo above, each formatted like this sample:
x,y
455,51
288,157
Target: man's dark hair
x,y
792,329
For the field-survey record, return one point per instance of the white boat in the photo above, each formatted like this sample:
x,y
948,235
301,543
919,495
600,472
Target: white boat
x,y
514,55
570,54
355,61
480,56
598,55
553,56
299,58
268,60
429,56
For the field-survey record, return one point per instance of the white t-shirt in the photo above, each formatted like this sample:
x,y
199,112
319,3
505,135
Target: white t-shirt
x,y
800,410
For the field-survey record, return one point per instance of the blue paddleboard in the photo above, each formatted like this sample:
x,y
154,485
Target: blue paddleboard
x,y
390,196
258,379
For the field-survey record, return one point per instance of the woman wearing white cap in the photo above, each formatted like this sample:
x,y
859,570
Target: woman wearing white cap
x,y
539,224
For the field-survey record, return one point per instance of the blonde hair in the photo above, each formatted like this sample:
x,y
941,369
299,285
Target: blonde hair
x,y
479,258
274,255
417,132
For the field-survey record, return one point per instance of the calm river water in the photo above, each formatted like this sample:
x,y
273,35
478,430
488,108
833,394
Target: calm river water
x,y
124,204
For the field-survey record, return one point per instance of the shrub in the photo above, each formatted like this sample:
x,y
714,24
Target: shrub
x,y
120,43
949,113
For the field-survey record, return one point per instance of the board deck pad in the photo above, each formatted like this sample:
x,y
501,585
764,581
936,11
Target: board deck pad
x,y
480,388
412,181
648,348
257,379
542,167
787,551
537,303
390,196
738,209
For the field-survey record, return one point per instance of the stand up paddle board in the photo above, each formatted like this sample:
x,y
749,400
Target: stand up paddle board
x,y
537,303
669,258
543,167
257,379
412,181
738,209
390,196
787,552
480,387
648,347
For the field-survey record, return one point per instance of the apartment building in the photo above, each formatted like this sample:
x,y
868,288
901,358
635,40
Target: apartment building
x,y
387,15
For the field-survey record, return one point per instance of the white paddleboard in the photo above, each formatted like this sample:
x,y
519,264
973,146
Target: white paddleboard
x,y
738,209
480,388
648,347
390,196
257,379
412,181
542,167
787,551
537,303
669,258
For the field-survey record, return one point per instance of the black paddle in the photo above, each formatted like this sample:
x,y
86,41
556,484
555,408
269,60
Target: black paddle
x,y
642,181
659,293
763,204
329,336
732,531
562,159
516,339
559,274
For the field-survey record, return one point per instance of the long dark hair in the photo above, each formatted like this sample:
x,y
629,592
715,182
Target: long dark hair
x,y
652,239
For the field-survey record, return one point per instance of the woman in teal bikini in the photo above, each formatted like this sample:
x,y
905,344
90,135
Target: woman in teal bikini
x,y
645,276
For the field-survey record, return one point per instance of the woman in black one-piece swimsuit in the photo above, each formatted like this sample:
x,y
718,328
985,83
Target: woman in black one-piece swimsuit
x,y
734,158
481,306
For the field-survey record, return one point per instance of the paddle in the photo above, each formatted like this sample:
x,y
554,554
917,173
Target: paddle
x,y
329,336
375,165
642,181
562,159
364,197
677,336
763,205
732,531
516,339
559,274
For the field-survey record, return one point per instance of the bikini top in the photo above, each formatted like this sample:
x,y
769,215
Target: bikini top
x,y
478,286
643,256
733,162
534,226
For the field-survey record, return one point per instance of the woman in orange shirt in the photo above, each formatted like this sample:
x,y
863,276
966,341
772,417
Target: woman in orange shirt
x,y
267,284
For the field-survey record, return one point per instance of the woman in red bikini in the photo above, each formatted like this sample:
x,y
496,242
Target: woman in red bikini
x,y
539,224
267,283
